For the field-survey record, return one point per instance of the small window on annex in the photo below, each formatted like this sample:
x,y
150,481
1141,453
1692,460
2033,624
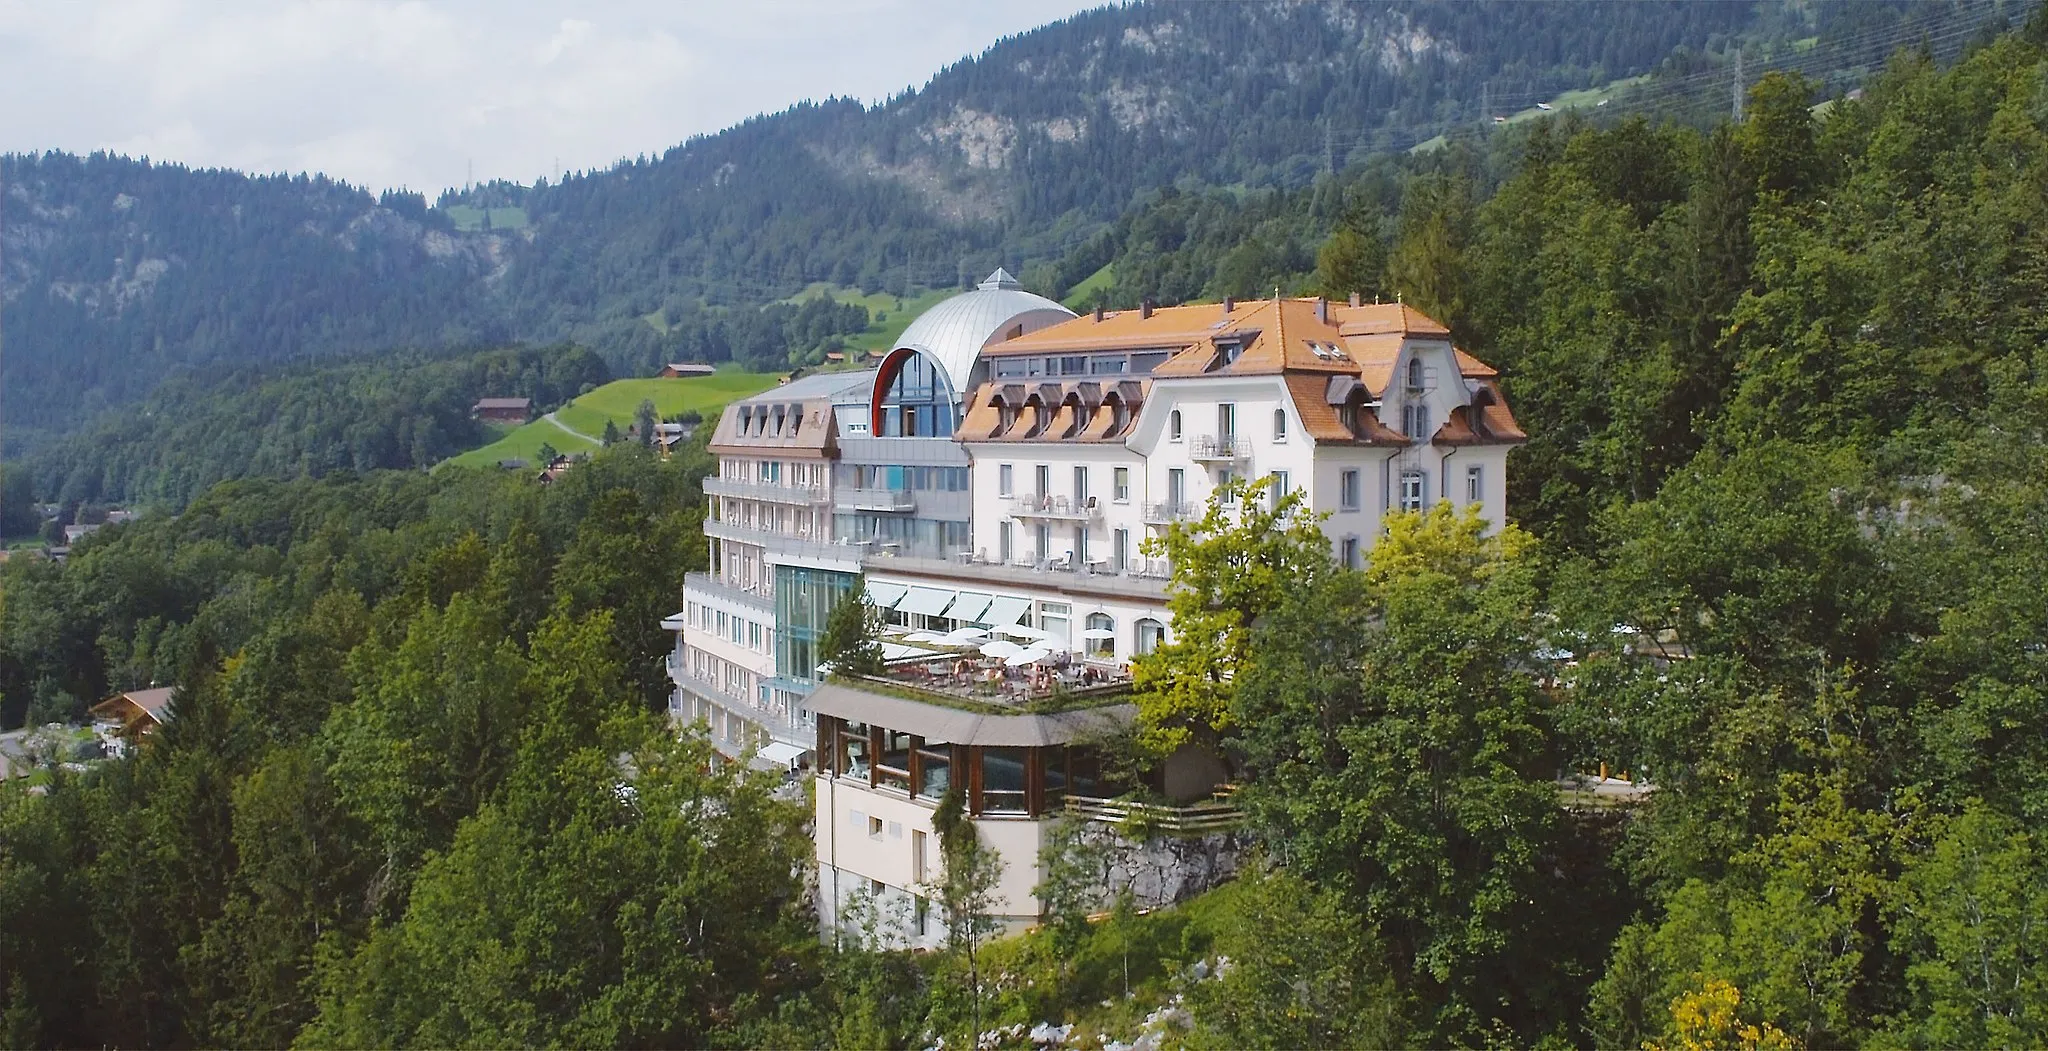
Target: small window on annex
x,y
934,769
1279,425
892,766
1149,637
1003,780
1173,426
852,760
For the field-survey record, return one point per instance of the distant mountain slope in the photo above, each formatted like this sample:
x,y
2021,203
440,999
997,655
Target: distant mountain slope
x,y
116,274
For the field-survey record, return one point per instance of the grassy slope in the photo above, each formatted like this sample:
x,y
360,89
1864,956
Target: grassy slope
x,y
1079,294
617,401
1584,98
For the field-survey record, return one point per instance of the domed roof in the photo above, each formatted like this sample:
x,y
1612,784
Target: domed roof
x,y
953,332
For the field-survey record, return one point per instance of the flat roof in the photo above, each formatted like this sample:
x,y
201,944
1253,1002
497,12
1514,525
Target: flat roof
x,y
959,725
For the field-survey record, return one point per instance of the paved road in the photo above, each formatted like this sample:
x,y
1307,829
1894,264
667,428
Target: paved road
x,y
550,417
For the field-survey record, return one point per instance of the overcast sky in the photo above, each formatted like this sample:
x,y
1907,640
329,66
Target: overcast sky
x,y
412,94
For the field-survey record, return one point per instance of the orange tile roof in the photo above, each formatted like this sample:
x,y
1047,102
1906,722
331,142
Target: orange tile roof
x,y
983,421
1376,318
1320,418
1284,331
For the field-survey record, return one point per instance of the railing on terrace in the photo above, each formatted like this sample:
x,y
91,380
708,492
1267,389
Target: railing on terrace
x,y
1189,819
1017,691
894,500
1168,511
1218,447
802,495
1055,507
709,585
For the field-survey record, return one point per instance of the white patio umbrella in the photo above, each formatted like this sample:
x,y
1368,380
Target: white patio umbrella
x,y
1098,633
1030,656
1002,649
1021,631
966,633
926,636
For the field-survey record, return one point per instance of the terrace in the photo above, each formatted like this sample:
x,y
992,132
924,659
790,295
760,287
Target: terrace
x,y
995,674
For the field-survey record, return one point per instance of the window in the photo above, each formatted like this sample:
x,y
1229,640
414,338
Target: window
x,y
1226,420
1411,490
875,832
1120,551
1080,548
1176,487
1416,376
1223,480
1347,490
1280,486
853,751
1005,481
753,635
1173,426
1279,425
934,776
1080,486
1005,542
892,765
1350,550
1043,476
1044,542
1475,484
924,912
1415,420
1120,485
1099,640
1002,780
917,860
1150,636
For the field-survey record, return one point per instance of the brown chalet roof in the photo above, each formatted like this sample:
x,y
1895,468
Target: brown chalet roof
x,y
1373,319
136,708
1280,335
763,425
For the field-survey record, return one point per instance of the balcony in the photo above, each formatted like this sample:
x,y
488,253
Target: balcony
x,y
1168,512
1218,448
786,544
1055,508
711,587
801,496
1217,814
896,501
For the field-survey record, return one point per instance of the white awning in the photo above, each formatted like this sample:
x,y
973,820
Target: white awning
x,y
928,601
776,755
969,606
884,595
1006,609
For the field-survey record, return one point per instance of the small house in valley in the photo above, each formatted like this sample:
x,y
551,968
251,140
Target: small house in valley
x,y
503,410
679,370
134,714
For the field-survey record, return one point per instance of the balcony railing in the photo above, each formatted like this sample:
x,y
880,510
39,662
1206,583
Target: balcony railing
x,y
1218,448
892,500
800,495
1055,508
1191,819
774,543
710,586
1169,511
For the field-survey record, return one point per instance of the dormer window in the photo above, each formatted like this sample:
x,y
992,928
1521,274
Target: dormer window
x,y
1416,374
1415,420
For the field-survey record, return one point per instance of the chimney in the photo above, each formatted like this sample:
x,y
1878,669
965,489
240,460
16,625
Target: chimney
x,y
1355,299
1145,308
1229,305
1098,313
1322,310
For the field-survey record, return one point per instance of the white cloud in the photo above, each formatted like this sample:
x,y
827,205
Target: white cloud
x,y
394,92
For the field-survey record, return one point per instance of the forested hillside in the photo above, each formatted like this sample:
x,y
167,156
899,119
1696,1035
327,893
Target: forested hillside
x,y
116,274
399,411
